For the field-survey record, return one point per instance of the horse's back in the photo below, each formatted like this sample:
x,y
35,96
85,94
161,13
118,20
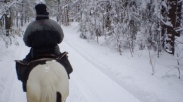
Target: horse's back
x,y
45,81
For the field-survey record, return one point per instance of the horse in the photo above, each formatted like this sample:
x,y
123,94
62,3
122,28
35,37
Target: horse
x,y
47,83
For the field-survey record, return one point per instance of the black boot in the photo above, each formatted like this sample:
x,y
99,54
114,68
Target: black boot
x,y
66,63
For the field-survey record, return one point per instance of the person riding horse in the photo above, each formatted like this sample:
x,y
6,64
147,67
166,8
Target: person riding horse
x,y
43,35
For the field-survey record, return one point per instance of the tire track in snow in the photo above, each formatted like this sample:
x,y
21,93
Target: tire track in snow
x,y
75,93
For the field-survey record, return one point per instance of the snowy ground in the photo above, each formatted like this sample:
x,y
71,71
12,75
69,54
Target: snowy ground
x,y
100,75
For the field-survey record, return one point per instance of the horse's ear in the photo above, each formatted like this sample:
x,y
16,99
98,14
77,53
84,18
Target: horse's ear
x,y
59,97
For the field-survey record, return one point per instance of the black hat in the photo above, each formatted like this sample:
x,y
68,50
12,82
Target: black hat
x,y
41,9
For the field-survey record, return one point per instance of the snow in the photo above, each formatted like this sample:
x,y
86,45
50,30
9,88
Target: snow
x,y
100,74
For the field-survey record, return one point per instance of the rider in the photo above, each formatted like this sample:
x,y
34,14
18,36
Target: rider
x,y
43,35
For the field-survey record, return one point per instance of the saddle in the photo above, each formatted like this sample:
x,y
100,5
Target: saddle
x,y
23,69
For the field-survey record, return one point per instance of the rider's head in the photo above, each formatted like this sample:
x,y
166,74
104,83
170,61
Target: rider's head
x,y
41,9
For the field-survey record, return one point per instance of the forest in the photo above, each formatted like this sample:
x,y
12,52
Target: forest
x,y
153,25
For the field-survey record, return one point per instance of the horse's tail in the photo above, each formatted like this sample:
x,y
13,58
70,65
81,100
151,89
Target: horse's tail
x,y
48,88
49,91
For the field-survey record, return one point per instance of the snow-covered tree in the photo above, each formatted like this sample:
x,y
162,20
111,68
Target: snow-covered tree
x,y
13,12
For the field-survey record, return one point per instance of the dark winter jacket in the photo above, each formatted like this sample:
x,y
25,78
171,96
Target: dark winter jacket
x,y
43,36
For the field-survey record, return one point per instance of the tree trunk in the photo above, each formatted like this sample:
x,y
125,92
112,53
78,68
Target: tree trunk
x,y
174,15
108,22
22,15
7,24
17,19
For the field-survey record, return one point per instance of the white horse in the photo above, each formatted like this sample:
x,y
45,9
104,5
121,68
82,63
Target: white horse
x,y
48,83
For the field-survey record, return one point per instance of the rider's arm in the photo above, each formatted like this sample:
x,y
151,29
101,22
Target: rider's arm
x,y
61,34
25,37
59,29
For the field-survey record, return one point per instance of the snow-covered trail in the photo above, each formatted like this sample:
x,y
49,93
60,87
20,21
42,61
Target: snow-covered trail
x,y
87,83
